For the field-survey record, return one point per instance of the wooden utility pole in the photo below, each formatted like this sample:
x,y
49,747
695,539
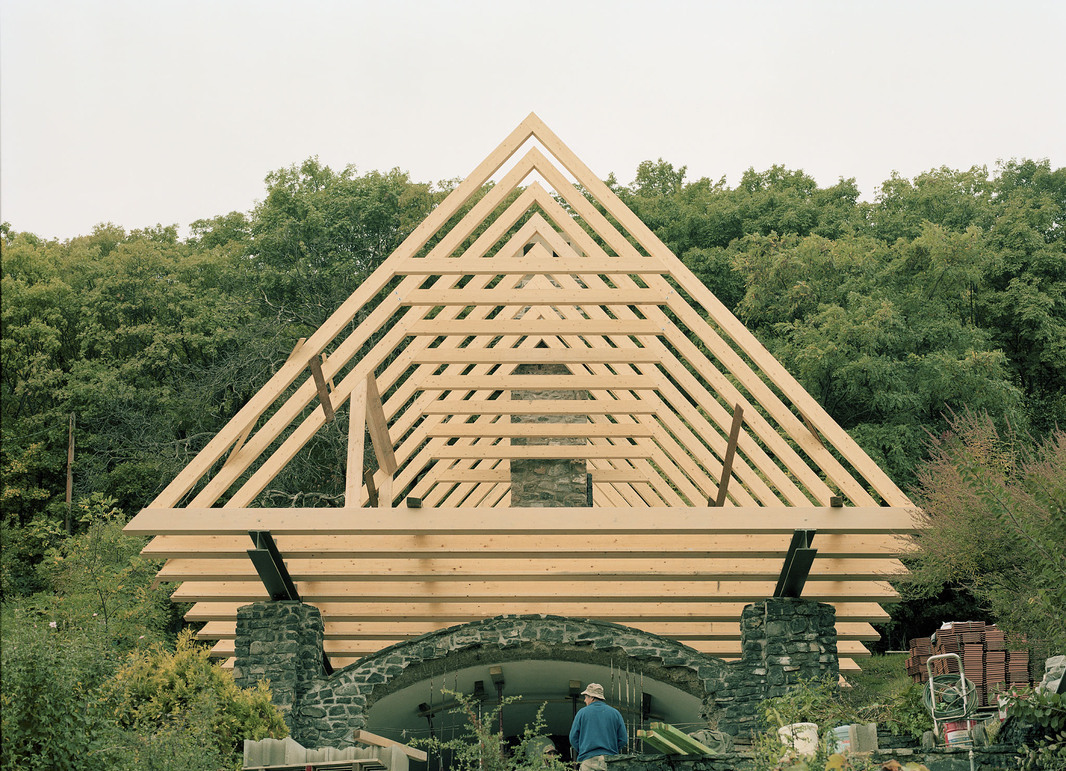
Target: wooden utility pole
x,y
70,471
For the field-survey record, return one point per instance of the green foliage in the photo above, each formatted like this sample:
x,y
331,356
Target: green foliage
x,y
809,701
158,689
69,702
319,233
97,579
1046,711
882,693
50,678
995,509
483,748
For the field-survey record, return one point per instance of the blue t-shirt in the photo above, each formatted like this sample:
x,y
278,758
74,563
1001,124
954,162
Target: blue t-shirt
x,y
598,730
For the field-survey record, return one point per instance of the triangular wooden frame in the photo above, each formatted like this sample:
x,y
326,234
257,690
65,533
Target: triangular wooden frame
x,y
427,373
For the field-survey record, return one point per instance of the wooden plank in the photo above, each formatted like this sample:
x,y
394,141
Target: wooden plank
x,y
537,327
321,388
353,470
632,614
547,567
564,452
535,382
540,430
681,631
527,297
362,736
549,407
686,742
731,449
597,521
666,546
379,427
500,355
536,591
336,649
660,743
496,266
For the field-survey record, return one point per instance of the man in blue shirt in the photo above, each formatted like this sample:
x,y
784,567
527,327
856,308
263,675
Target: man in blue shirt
x,y
598,731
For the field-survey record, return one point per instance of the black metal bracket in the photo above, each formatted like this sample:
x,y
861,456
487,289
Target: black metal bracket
x,y
797,565
275,576
271,567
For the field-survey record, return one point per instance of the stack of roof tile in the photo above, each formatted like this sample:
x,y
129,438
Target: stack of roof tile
x,y
982,648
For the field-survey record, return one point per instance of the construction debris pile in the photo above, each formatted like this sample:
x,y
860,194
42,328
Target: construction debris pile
x,y
982,647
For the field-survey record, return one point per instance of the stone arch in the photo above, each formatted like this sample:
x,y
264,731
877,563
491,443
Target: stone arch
x,y
330,708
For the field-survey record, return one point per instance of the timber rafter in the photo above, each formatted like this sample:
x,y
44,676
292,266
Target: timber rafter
x,y
554,275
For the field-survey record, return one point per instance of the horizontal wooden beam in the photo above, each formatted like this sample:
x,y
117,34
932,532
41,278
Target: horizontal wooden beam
x,y
540,430
548,567
535,327
338,649
536,383
634,613
596,522
563,590
403,630
531,297
540,451
606,547
458,266
548,407
500,355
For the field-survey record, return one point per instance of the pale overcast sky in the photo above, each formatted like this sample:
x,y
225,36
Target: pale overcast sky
x,y
141,112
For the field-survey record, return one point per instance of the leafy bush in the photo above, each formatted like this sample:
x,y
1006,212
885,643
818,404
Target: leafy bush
x,y
157,690
49,680
1047,712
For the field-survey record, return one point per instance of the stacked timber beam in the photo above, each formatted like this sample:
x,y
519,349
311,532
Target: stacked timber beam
x,y
683,406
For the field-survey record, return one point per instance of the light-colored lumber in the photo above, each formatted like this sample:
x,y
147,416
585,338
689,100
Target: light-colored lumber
x,y
379,427
541,430
681,631
511,452
535,382
539,327
548,567
631,614
524,266
729,649
494,545
501,355
362,736
602,521
537,591
506,406
522,297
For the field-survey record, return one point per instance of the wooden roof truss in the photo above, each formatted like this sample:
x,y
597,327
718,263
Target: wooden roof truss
x,y
704,454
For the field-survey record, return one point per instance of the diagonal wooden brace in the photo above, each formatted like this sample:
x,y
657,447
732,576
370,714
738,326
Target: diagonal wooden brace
x,y
730,452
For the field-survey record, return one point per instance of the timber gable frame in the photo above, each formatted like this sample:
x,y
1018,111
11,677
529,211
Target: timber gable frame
x,y
684,409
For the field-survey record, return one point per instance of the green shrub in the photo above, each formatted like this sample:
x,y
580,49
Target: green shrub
x,y
1046,711
157,690
49,682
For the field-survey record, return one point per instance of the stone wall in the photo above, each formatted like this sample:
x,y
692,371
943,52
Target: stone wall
x,y
542,481
280,642
333,706
783,641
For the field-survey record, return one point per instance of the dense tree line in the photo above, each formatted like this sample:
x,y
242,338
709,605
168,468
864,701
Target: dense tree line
x,y
945,295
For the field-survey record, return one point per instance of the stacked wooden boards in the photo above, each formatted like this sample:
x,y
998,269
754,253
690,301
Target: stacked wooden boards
x,y
423,359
